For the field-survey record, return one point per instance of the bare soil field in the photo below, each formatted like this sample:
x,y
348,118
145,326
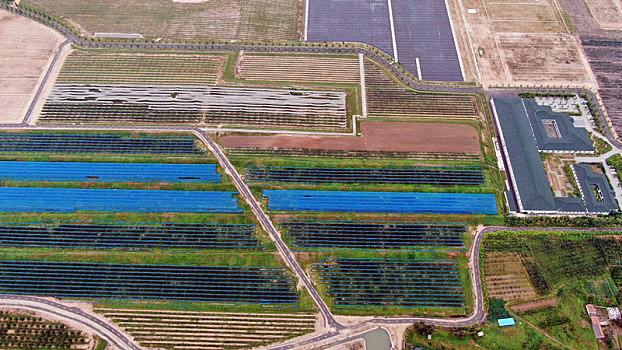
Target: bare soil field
x,y
506,277
524,42
320,69
244,20
533,305
27,50
376,136
607,13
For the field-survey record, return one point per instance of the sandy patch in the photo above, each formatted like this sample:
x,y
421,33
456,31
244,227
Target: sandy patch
x,y
376,136
27,50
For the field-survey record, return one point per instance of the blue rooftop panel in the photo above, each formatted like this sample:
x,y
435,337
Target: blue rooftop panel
x,y
504,322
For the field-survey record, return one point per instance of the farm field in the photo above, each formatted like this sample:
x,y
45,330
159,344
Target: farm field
x,y
507,278
460,140
385,98
96,104
22,330
28,49
170,329
567,271
524,43
255,20
281,68
92,67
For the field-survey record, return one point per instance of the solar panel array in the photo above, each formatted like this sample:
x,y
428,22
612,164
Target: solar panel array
x,y
339,234
67,200
408,283
128,235
92,143
223,284
422,30
381,202
108,172
365,21
420,175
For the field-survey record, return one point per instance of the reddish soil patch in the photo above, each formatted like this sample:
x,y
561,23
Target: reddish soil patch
x,y
532,305
377,136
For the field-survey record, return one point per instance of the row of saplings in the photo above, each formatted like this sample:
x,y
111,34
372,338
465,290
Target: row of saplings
x,y
28,332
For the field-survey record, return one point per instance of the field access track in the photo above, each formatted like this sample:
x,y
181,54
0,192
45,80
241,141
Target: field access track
x,y
108,172
230,284
381,202
372,235
420,31
69,200
420,175
195,105
96,143
128,235
408,283
186,330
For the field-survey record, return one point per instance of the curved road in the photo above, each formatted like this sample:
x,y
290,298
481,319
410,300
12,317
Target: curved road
x,y
72,314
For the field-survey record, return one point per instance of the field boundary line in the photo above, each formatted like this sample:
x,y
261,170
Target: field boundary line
x,y
306,24
363,90
392,30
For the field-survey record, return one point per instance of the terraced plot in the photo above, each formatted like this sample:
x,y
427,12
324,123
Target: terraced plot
x,y
507,278
194,105
221,284
408,283
320,69
108,172
426,175
186,330
404,235
29,142
86,67
128,235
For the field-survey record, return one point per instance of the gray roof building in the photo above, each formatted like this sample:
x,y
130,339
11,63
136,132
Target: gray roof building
x,y
596,190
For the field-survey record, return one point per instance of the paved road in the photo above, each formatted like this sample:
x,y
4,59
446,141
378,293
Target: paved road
x,y
72,314
267,224
33,104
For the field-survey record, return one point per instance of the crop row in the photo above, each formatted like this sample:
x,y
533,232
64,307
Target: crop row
x,y
104,235
300,69
230,284
105,68
298,152
183,330
425,175
19,331
335,234
353,282
398,102
88,143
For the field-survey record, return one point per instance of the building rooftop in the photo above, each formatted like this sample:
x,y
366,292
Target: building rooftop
x,y
597,193
598,330
531,186
504,322
554,131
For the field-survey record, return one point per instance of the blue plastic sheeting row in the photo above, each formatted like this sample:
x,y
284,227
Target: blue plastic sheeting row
x,y
67,200
381,202
108,172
